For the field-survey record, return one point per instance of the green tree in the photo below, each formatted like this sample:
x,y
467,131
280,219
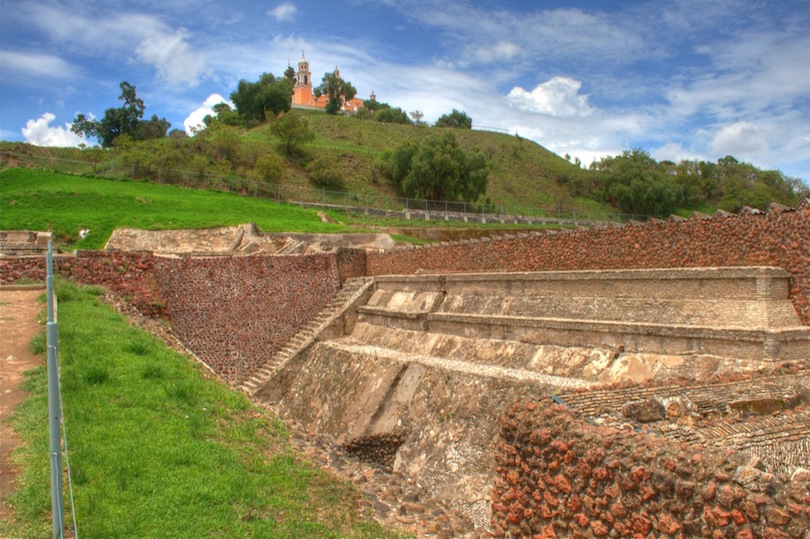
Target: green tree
x,y
337,90
456,119
416,116
223,114
392,116
293,131
125,120
256,100
439,169
637,184
289,73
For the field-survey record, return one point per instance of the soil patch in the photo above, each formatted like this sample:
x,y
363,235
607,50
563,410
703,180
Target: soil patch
x,y
18,325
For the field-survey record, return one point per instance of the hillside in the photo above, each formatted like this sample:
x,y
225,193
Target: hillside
x,y
522,175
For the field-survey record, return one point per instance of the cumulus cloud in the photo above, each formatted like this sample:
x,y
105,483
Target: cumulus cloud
x,y
283,12
39,133
194,121
556,97
172,57
740,139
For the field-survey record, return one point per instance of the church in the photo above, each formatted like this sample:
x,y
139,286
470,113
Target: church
x,y
304,98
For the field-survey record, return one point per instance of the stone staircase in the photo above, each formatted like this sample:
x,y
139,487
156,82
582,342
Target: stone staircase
x,y
353,289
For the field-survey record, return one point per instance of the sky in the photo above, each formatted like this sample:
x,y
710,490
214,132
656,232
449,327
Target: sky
x,y
681,79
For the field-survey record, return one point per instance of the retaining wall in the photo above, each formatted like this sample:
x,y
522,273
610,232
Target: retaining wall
x,y
235,312
558,476
129,275
780,237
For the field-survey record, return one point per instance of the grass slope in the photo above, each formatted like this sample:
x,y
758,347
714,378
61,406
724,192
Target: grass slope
x,y
40,200
157,449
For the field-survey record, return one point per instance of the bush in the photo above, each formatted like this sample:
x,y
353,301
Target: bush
x,y
269,168
323,174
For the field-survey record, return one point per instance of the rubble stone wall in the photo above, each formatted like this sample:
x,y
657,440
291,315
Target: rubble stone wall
x,y
233,312
129,275
778,238
558,476
236,312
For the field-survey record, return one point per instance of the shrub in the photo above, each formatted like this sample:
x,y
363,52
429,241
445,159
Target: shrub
x,y
322,173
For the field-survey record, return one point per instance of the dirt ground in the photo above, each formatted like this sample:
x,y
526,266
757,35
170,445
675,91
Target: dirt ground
x,y
18,324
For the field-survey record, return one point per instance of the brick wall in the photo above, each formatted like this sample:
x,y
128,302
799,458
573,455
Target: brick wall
x,y
778,238
558,476
235,312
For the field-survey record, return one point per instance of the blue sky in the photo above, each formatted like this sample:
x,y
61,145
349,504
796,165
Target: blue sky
x,y
679,78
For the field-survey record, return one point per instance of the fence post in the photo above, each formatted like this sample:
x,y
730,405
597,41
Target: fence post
x,y
133,171
54,414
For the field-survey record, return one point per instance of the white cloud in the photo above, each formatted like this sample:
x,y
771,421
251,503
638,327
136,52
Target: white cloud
x,y
557,97
741,139
194,121
283,12
172,57
40,133
36,64
503,50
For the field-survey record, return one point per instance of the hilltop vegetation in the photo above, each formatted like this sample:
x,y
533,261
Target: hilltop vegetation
x,y
380,152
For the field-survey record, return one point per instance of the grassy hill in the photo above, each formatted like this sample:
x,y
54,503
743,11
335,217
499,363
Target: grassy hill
x,y
522,173
524,177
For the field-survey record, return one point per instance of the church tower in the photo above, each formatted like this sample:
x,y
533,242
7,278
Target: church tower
x,y
302,90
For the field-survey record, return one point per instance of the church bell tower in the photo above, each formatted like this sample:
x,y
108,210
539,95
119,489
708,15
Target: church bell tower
x,y
302,91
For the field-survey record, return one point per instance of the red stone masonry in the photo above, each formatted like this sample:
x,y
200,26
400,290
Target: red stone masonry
x,y
236,312
129,275
558,476
777,238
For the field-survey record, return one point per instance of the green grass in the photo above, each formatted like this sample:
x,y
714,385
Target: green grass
x,y
41,200
158,449
63,203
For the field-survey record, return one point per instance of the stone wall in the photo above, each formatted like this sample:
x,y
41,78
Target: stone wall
x,y
128,275
235,312
558,476
780,237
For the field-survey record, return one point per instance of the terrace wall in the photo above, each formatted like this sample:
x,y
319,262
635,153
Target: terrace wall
x,y
780,237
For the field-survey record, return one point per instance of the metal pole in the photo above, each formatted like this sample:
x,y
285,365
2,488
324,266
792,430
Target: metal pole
x,y
54,415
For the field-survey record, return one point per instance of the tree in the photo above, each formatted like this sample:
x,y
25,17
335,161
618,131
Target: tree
x,y
439,169
254,100
292,130
337,90
391,116
289,73
224,114
125,120
456,119
417,116
637,184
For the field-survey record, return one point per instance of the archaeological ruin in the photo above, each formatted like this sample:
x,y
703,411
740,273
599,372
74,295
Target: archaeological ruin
x,y
645,380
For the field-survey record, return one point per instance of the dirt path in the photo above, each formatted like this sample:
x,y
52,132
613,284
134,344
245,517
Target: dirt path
x,y
18,324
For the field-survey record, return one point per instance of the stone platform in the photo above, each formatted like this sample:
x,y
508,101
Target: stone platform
x,y
740,313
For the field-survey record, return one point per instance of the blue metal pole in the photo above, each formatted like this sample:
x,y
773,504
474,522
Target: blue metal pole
x,y
54,414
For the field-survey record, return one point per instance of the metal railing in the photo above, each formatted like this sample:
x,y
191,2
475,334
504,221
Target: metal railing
x,y
383,205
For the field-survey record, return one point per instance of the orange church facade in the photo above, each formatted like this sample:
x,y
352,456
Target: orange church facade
x,y
303,96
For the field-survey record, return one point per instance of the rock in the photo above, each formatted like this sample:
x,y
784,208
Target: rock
x,y
645,411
